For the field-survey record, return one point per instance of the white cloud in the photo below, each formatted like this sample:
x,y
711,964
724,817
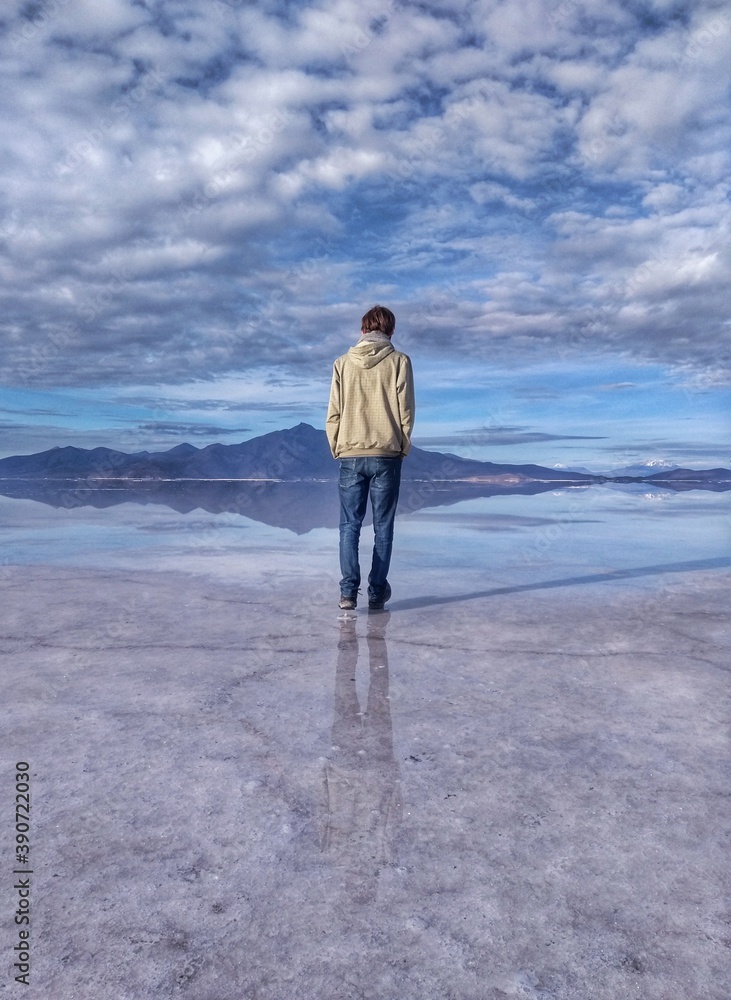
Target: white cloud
x,y
485,192
663,102
663,196
518,178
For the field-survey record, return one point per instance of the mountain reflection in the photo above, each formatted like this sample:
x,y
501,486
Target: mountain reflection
x,y
297,506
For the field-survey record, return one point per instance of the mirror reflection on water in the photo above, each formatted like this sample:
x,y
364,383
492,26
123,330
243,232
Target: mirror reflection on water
x,y
448,536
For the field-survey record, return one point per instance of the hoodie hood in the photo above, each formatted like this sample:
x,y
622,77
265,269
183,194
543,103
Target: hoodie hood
x,y
369,353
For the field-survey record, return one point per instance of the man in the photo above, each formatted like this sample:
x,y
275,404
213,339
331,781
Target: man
x,y
369,423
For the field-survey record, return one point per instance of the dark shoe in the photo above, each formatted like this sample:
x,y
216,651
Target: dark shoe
x,y
374,605
347,603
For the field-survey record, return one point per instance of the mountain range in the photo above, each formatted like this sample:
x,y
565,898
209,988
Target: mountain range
x,y
297,454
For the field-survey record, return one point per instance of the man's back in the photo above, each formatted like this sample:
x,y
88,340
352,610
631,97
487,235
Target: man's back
x,y
371,410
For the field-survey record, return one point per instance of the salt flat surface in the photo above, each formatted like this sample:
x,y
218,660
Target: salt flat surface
x,y
510,785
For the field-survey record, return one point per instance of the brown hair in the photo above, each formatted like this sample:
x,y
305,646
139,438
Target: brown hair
x,y
378,318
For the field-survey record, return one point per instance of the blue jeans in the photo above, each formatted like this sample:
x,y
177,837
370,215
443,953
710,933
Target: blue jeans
x,y
360,477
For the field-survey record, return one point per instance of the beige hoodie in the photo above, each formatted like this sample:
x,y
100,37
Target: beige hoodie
x,y
371,410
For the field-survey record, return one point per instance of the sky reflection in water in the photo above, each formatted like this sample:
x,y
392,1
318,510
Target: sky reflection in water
x,y
473,544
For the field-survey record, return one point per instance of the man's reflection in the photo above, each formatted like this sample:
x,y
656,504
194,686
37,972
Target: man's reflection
x,y
361,778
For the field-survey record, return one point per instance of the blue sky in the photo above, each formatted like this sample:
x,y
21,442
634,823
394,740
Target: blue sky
x,y
199,201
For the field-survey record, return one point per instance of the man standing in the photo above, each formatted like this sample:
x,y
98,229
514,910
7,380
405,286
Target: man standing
x,y
369,422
